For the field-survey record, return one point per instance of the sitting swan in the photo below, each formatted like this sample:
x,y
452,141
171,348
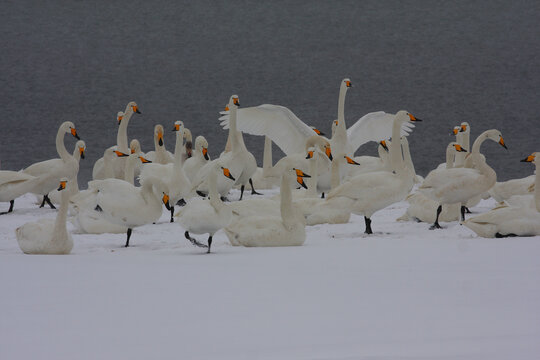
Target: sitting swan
x,y
288,229
507,220
47,236
206,216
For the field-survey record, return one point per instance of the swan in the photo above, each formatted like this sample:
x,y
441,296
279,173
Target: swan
x,y
367,193
264,178
463,138
287,229
458,185
423,208
160,155
289,133
16,183
55,169
177,183
123,118
199,159
124,204
47,236
507,220
372,163
206,216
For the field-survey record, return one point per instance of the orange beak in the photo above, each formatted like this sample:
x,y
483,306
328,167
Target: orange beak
x,y
463,128
62,185
351,161
348,83
160,138
120,154
81,152
459,148
328,152
120,119
135,109
144,160
205,153
227,174
300,173
300,180
411,116
529,158
74,133
456,130
236,102
501,142
383,144
309,155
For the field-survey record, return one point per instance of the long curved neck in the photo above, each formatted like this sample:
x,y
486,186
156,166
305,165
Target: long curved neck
x,y
312,181
129,169
478,142
233,139
267,155
407,155
213,194
537,186
179,149
459,157
450,156
60,147
286,201
341,107
60,229
396,156
335,175
121,136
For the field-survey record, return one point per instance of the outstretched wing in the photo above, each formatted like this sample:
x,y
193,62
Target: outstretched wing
x,y
280,124
374,126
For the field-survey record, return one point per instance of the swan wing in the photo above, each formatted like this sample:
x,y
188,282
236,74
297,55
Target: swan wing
x,y
374,126
279,123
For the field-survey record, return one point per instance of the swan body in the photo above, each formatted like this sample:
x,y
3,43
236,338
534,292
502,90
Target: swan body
x,y
507,220
47,236
16,183
287,229
505,190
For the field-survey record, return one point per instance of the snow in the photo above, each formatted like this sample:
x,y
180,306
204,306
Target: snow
x,y
404,292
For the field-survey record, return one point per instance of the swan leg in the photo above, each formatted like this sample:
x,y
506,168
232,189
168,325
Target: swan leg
x,y
209,244
194,241
128,236
48,201
467,210
322,195
463,210
172,213
436,224
253,192
11,203
241,192
368,225
42,203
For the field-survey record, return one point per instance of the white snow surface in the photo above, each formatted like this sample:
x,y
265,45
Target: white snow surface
x,y
404,292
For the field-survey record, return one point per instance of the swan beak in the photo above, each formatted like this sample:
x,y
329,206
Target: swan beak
x,y
318,132
351,161
309,155
176,127
136,109
120,154
62,185
226,107
74,133
459,148
165,200
501,142
529,158
144,160
336,122
383,144
300,173
160,139
348,83
328,153
120,119
413,118
81,151
463,128
133,151
227,174
205,153
455,131
236,102
300,180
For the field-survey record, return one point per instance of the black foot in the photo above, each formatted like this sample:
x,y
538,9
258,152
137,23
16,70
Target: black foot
x,y
499,235
209,244
11,203
368,225
241,192
322,196
98,208
194,241
253,192
467,210
224,199
435,226
128,236
463,210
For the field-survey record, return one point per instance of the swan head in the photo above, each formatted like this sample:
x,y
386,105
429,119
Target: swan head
x,y
189,143
63,184
300,175
227,173
132,105
158,134
69,127
178,126
496,136
328,152
465,127
456,131
135,146
81,146
201,145
384,144
346,83
234,101
119,116
533,158
456,147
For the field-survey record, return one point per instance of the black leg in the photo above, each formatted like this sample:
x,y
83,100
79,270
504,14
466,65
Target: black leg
x,y
42,203
172,213
322,195
241,192
11,203
467,210
209,244
253,192
128,236
46,198
368,225
194,241
436,224
463,209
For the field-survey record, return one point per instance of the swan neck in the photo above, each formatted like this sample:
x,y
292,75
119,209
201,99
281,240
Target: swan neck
x,y
478,142
121,136
60,222
481,165
286,200
179,149
450,156
335,175
407,155
396,156
213,194
341,107
129,170
537,188
267,155
312,181
60,147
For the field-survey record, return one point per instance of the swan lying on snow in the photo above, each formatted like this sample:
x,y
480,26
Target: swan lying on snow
x,y
47,236
507,220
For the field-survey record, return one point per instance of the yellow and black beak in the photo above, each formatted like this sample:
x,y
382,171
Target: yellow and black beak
x,y
205,153
81,152
74,133
463,128
135,109
459,148
160,138
501,142
413,118
144,160
318,132
456,130
228,174
336,122
119,118
62,185
236,101
300,173
120,154
529,158
310,155
300,180
383,144
348,83
328,152
227,107
350,161
165,200
133,151
176,127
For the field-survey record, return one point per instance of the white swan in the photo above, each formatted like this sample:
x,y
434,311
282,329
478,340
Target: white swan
x,y
124,204
188,146
287,229
177,183
206,216
507,220
199,159
55,169
47,236
372,163
458,185
367,193
423,208
14,184
160,155
264,178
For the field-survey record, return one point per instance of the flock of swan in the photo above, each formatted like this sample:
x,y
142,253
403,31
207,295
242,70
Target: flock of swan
x,y
319,179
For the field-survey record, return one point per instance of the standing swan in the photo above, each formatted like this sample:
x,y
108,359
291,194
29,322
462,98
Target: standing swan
x,y
47,236
206,216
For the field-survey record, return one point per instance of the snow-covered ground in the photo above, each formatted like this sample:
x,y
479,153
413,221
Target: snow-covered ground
x,y
404,292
